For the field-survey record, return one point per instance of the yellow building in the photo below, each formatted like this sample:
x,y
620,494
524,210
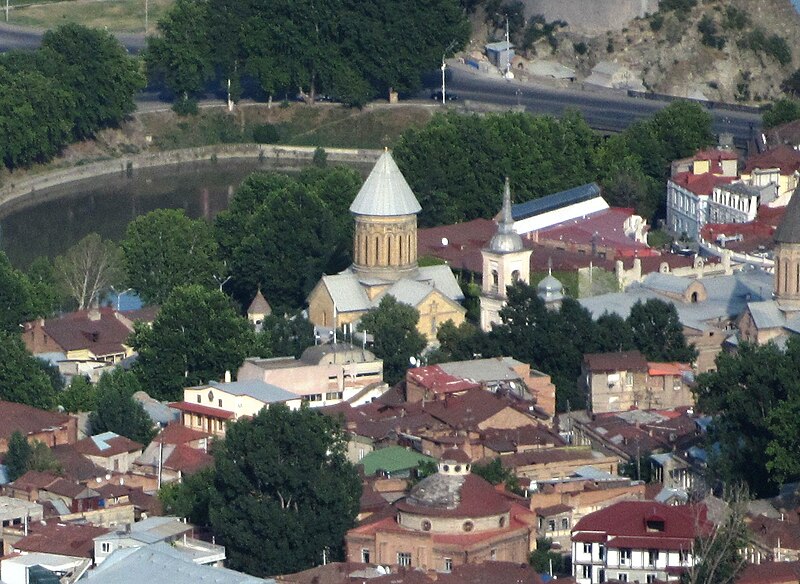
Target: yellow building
x,y
385,261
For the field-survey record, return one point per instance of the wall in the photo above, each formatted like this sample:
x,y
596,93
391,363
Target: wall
x,y
15,192
591,15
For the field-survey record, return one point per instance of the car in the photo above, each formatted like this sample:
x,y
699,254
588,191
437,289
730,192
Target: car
x,y
449,96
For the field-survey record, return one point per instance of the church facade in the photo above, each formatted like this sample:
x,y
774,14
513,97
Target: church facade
x,y
385,261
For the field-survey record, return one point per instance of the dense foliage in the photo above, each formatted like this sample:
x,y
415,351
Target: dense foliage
x,y
755,398
349,50
23,378
780,112
196,337
393,326
78,82
456,163
281,336
80,396
283,491
117,411
88,270
23,456
21,298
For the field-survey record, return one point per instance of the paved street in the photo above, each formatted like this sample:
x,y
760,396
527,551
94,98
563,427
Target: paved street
x,y
24,37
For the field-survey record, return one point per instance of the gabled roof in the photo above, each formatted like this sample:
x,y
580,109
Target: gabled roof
x,y
107,444
555,201
788,230
63,539
783,157
176,433
98,330
260,390
619,361
27,420
385,192
393,459
75,465
629,519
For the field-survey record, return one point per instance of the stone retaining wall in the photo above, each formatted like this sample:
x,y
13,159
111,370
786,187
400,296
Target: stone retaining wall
x,y
14,191
591,16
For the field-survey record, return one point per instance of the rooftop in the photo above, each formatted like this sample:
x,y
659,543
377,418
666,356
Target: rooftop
x,y
107,444
28,420
444,495
789,229
620,361
783,157
385,192
393,459
66,539
629,519
555,201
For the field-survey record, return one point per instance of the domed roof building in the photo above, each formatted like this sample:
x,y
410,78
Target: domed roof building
x,y
450,518
505,260
550,290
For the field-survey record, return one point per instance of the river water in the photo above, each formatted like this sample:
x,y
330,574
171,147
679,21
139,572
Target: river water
x,y
59,217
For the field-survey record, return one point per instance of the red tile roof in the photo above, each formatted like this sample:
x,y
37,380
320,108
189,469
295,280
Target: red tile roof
x,y
628,519
194,408
117,445
716,155
786,158
701,184
176,433
476,498
771,573
619,361
34,480
468,410
75,465
667,368
435,379
62,539
188,460
99,331
16,417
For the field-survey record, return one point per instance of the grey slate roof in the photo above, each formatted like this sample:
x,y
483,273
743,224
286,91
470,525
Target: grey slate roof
x,y
789,229
488,370
667,283
766,314
385,192
260,390
162,563
555,201
728,296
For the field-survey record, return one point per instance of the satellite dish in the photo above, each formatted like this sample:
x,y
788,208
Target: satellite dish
x,y
445,242
413,360
381,570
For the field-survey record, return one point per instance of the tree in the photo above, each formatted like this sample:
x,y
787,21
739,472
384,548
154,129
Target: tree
x,y
543,559
42,459
683,127
44,287
458,343
17,304
658,332
97,69
495,473
80,396
282,336
781,112
87,269
196,338
22,378
393,325
191,497
165,249
18,456
751,396
284,487
282,233
117,411
614,334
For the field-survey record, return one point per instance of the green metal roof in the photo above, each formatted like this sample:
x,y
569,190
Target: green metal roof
x,y
393,459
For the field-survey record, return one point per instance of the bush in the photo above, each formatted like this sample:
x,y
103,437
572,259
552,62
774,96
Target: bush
x,y
774,46
266,134
320,157
735,18
656,22
185,107
782,111
708,30
581,48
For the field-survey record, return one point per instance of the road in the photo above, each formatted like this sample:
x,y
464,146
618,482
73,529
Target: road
x,y
24,37
603,109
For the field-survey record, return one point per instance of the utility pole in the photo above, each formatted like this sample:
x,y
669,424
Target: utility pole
x,y
444,68
146,16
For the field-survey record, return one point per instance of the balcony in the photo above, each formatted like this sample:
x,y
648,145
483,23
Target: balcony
x,y
201,552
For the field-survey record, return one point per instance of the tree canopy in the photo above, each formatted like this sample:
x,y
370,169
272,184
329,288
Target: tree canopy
x,y
658,333
22,377
117,411
20,299
393,326
196,337
281,233
165,249
283,336
333,47
88,269
284,493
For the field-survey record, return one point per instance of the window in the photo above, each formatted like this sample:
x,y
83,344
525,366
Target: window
x,y
651,578
219,401
551,525
493,555
199,399
313,397
684,556
601,551
564,523
625,556
495,281
404,559
629,379
587,548
622,577
365,556
105,547
652,557
587,571
448,564
333,395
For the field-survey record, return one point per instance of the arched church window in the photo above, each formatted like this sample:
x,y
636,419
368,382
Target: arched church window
x,y
495,280
515,276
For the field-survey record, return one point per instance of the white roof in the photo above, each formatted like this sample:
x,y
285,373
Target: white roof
x,y
385,193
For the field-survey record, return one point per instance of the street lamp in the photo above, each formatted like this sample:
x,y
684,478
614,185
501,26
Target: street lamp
x,y
120,294
444,68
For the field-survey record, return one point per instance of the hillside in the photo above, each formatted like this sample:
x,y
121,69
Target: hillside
x,y
736,57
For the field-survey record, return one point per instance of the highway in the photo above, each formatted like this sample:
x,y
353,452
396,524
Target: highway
x,y
24,37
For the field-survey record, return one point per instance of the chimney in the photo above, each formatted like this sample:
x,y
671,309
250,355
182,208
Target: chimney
x,y
227,376
93,314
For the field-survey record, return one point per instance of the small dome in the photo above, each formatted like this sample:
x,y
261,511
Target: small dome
x,y
550,285
455,455
506,240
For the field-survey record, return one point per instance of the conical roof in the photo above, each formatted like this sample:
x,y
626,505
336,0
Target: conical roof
x,y
506,240
259,305
789,229
385,193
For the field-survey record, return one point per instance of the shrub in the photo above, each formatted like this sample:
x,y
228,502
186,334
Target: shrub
x,y
780,112
734,18
266,134
581,48
186,106
708,30
656,22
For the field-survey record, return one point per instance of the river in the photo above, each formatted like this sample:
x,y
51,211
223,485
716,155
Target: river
x,y
59,217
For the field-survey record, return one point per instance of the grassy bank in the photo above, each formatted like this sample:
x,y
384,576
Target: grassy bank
x,y
113,15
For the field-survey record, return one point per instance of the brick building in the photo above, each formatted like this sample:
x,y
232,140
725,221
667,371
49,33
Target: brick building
x,y
48,427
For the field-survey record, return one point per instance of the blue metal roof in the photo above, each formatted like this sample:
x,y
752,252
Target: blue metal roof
x,y
555,201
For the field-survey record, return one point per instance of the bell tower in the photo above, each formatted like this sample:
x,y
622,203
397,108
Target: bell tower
x,y
787,257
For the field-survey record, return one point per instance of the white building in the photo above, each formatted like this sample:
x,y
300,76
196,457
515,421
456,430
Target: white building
x,y
557,208
633,541
734,203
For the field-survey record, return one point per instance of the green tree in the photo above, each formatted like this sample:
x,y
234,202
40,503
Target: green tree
x,y
117,411
196,337
44,285
98,71
284,487
495,473
18,456
22,378
166,249
458,343
17,304
80,396
614,334
780,112
282,336
282,233
683,127
543,558
750,396
87,269
42,459
393,325
658,332
190,498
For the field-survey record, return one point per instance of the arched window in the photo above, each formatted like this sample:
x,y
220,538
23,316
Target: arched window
x,y
389,249
515,276
495,281
694,298
400,250
786,276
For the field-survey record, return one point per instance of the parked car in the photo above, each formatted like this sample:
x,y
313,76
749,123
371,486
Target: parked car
x,y
449,96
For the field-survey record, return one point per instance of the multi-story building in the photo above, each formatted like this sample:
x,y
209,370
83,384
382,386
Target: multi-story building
x,y
636,541
734,203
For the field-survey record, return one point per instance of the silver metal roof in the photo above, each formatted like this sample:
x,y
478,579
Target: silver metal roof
x,y
385,193
260,390
766,314
506,240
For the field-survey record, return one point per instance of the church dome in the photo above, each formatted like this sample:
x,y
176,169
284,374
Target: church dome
x,y
506,240
550,286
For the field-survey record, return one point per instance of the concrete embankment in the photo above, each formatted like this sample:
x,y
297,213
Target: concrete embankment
x,y
19,191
